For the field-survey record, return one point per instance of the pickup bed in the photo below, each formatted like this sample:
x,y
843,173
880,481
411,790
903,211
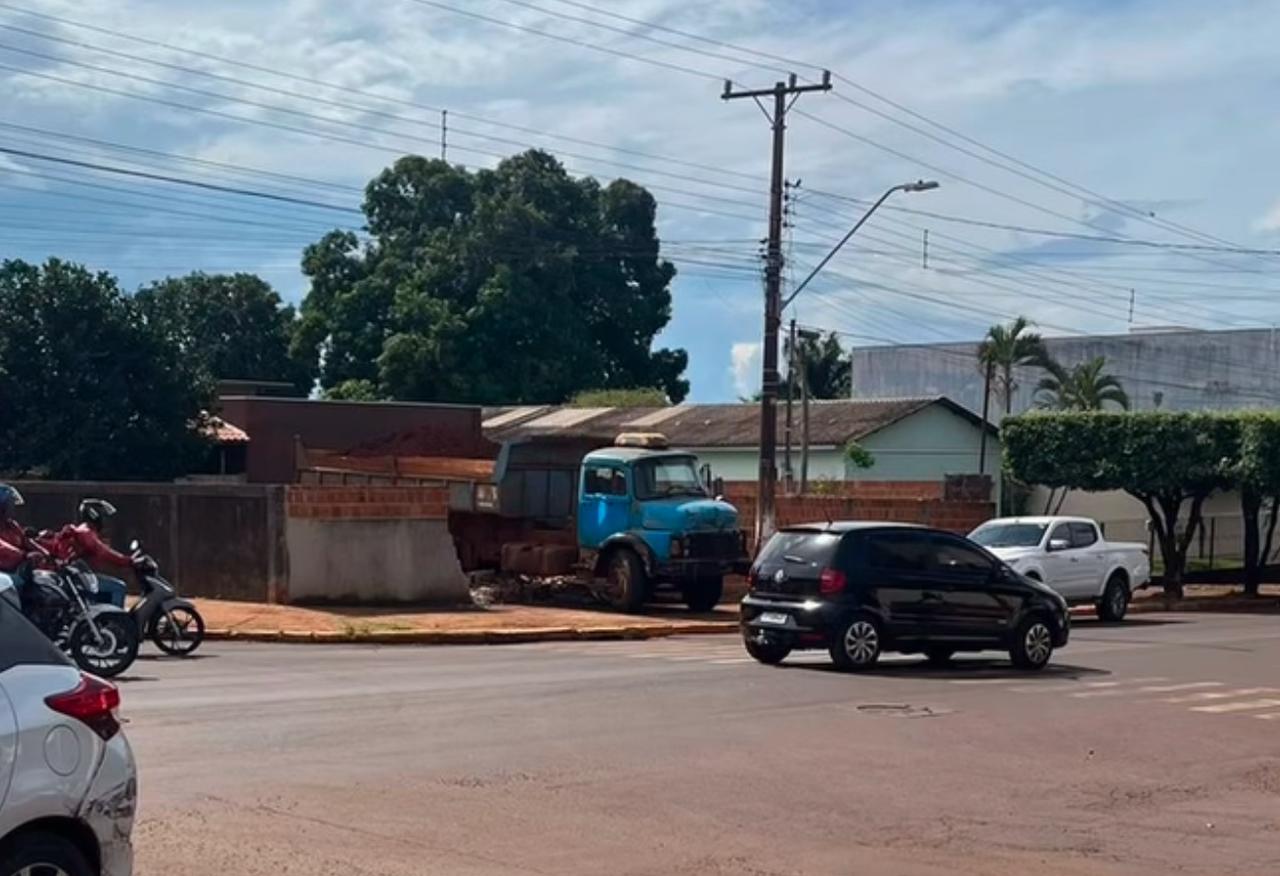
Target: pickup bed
x,y
1070,555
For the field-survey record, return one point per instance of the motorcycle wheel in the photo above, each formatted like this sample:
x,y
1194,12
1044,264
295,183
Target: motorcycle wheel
x,y
179,631
114,654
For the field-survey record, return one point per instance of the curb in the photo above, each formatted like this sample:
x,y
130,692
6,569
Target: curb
x,y
474,637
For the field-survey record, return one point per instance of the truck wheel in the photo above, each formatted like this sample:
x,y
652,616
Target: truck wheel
x,y
627,588
704,593
1114,604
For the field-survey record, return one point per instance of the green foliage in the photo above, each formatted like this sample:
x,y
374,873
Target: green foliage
x,y
517,284
1005,348
89,389
619,398
1084,387
858,456
353,390
234,325
823,366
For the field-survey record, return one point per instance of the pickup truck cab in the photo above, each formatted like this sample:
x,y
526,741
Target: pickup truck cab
x,y
1070,555
647,522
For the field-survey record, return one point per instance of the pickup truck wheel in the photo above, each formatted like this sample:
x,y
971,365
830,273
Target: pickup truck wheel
x,y
627,588
857,644
1114,604
704,593
1032,644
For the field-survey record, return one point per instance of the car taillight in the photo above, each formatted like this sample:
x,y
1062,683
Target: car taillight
x,y
831,582
93,702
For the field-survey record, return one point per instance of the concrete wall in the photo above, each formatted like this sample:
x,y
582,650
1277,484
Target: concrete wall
x,y
373,561
372,544
210,540
1186,370
743,464
928,446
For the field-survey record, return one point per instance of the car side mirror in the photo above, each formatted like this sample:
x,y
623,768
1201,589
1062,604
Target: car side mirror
x,y
1058,544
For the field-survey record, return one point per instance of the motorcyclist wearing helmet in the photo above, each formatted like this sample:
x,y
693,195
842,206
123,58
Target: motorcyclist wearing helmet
x,y
15,545
84,541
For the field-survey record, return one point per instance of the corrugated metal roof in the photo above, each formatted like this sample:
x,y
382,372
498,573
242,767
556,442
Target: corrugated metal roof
x,y
831,423
511,416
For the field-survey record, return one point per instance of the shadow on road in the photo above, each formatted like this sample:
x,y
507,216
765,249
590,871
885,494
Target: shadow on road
x,y
169,658
1093,623
961,669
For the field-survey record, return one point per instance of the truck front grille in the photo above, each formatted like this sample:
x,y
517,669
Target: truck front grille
x,y
714,545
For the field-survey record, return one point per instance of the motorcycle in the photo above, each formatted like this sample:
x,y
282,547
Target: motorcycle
x,y
100,639
160,614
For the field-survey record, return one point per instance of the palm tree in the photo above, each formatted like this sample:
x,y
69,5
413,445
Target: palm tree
x,y
1084,387
1005,348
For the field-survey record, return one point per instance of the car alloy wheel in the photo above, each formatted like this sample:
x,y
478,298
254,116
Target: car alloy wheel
x,y
1038,643
42,870
1119,602
862,642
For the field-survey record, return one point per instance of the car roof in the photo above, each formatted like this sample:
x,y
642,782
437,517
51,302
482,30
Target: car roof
x,y
844,526
1040,520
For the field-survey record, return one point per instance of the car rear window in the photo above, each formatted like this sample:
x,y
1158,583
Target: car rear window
x,y
801,547
21,644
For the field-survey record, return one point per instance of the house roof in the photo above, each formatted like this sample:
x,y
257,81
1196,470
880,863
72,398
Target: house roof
x,y
223,432
730,425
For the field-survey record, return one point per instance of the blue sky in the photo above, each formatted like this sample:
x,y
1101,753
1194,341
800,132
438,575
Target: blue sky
x,y
1157,109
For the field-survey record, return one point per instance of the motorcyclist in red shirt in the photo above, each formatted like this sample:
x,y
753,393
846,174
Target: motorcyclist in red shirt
x,y
15,546
83,541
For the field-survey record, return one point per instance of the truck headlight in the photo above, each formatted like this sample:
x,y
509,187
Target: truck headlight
x,y
677,547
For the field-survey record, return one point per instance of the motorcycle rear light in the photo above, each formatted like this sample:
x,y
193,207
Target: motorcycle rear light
x,y
831,582
92,702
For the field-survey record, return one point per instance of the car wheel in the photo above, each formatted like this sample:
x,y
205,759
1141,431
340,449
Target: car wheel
x,y
704,594
1114,604
857,645
627,587
768,653
44,854
939,656
1032,644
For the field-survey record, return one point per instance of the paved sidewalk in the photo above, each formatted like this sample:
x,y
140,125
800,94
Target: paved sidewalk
x,y
249,621
501,623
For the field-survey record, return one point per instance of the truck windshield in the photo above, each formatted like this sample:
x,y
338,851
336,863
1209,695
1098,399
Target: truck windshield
x,y
673,476
1008,535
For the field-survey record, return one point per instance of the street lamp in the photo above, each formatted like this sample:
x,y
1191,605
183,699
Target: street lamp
x,y
917,186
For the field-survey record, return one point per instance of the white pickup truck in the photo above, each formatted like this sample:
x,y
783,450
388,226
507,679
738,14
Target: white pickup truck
x,y
1070,555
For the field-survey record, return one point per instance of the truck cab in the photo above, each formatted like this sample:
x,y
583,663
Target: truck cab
x,y
646,522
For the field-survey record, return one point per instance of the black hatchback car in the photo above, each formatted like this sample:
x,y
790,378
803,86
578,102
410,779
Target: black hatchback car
x,y
860,589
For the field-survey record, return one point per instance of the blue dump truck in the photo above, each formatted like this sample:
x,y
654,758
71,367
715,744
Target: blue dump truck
x,y
629,520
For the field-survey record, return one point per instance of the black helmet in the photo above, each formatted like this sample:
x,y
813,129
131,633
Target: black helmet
x,y
10,499
95,512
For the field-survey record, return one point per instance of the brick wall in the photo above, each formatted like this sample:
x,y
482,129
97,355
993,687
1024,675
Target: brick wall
x,y
960,517
367,503
858,489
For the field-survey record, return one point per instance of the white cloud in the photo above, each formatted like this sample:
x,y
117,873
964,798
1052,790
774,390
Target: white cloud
x,y
1270,221
744,365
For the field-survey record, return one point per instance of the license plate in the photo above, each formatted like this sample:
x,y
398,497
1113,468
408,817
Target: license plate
x,y
774,618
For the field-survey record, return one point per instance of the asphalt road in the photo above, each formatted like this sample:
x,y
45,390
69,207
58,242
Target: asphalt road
x,y
1151,747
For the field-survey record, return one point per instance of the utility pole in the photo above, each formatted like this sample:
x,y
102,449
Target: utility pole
x,y
791,391
768,474
444,135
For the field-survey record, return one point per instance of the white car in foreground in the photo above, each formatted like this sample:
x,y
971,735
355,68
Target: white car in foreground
x,y
68,784
1070,555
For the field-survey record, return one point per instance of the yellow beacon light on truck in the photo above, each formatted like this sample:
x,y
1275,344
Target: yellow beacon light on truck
x,y
647,440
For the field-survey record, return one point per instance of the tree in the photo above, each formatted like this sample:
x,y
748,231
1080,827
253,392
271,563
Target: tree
x,y
1257,477
517,284
234,325
1005,348
620,398
822,365
1085,387
1168,461
88,388
353,390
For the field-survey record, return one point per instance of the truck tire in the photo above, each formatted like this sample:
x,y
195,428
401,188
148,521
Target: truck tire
x,y
1114,604
704,593
628,587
